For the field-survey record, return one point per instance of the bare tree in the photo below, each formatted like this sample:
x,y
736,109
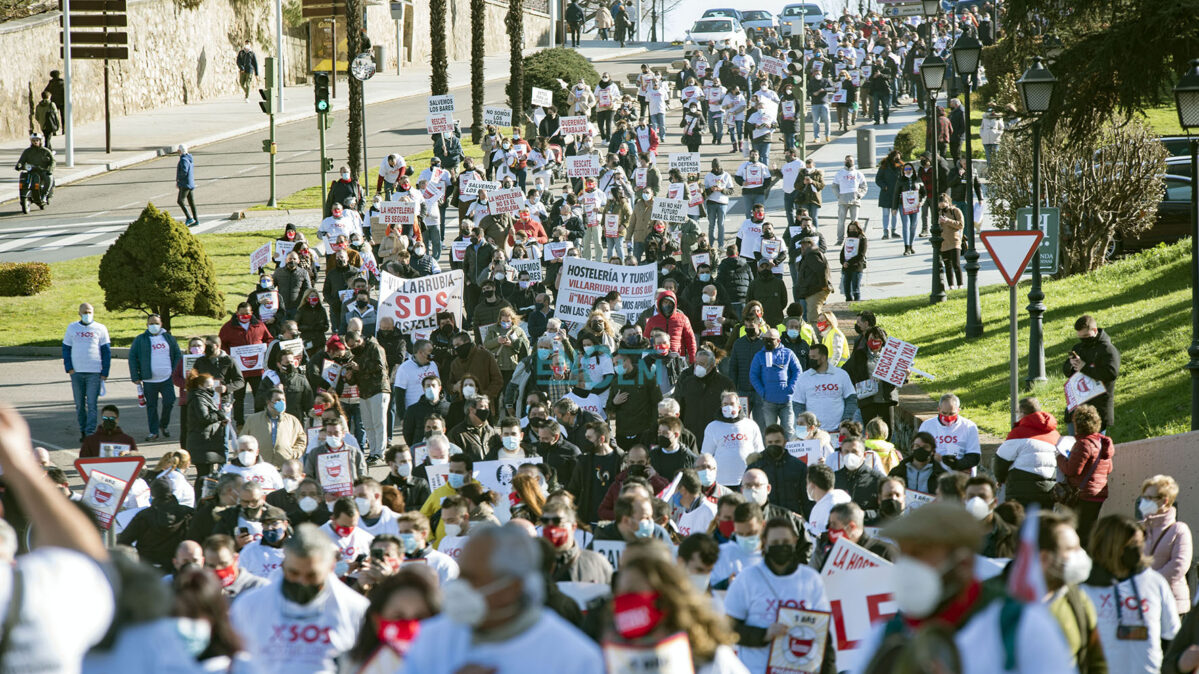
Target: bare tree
x,y
355,42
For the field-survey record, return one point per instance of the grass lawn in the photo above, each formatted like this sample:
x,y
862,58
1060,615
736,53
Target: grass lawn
x,y
310,197
1143,302
42,319
1164,120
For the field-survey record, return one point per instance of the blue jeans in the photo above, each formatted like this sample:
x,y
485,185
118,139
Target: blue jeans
x,y
790,140
820,113
638,250
763,148
781,413
751,200
852,282
716,213
614,246
657,121
159,421
716,126
889,218
813,211
794,265
908,223
789,207
433,235
86,387
738,133
881,107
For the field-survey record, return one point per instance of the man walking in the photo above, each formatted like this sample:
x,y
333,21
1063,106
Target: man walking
x,y
86,356
185,180
247,68
152,358
47,117
575,19
851,187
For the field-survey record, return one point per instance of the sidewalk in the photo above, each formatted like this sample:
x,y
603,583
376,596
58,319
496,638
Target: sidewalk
x,y
146,135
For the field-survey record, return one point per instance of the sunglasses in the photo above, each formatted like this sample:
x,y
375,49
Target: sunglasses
x,y
551,521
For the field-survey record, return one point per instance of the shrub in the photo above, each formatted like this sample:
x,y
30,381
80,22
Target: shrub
x,y
545,68
23,278
910,140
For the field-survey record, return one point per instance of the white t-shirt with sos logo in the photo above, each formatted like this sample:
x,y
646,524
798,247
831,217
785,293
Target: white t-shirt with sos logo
x,y
756,595
260,560
731,444
1150,603
288,638
956,439
824,394
261,473
86,342
349,547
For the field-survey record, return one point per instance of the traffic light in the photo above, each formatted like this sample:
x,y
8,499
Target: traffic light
x,y
267,104
321,82
328,164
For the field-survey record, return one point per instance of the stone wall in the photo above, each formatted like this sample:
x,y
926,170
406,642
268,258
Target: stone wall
x,y
183,51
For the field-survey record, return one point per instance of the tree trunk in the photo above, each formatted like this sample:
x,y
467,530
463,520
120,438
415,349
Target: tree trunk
x,y
438,80
516,32
478,10
354,44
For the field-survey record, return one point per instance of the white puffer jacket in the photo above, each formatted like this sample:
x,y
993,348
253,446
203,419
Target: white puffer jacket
x,y
1030,455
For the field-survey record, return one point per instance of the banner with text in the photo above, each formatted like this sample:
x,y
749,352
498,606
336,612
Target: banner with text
x,y
414,303
858,586
894,362
582,166
582,281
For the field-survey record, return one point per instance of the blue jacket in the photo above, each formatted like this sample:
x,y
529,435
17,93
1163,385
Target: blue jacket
x,y
775,383
139,355
737,365
185,172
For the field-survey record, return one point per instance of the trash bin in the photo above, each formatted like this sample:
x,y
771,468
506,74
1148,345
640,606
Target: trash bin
x,y
866,151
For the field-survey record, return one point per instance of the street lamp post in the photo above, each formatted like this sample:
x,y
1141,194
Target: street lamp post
x,y
932,72
1186,97
966,52
1036,88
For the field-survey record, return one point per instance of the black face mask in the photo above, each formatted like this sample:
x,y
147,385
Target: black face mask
x,y
781,555
922,455
663,440
775,450
769,344
462,350
299,593
109,424
890,507
667,308
483,415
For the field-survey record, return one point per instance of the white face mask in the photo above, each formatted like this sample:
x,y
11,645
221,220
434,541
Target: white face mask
x,y
977,507
308,504
1077,567
333,441
729,411
364,505
754,494
468,391
453,530
708,299
701,371
917,587
1148,507
431,394
852,461
86,319
290,484
247,458
154,328
404,469
699,581
801,432
464,604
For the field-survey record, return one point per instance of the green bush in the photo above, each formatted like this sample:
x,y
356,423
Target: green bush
x,y
910,140
23,278
545,68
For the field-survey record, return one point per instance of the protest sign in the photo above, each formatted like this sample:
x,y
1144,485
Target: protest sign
x,y
771,247
911,201
695,195
582,166
472,187
1081,388
542,97
398,212
701,258
858,585
413,304
894,362
369,263
685,162
434,191
583,281
333,469
331,372
914,499
612,225
248,357
669,656
282,248
669,210
268,304
533,267
558,250
103,494
613,550
294,346
189,361
804,450
441,104
497,477
510,200
497,116
109,450
441,122
458,249
260,257
576,125
841,97
851,246
801,649
711,313
774,66
438,475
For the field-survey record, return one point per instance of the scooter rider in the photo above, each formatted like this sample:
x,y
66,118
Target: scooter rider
x,y
41,159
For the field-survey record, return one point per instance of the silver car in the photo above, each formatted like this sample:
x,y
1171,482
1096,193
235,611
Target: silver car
x,y
757,21
808,12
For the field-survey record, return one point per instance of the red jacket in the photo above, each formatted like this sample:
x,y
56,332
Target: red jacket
x,y
653,139
1085,452
232,335
682,339
531,228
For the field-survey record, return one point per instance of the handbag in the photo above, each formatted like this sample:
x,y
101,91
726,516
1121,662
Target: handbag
x,y
1068,495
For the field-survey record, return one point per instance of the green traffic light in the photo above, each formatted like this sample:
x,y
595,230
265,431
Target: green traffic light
x,y
322,105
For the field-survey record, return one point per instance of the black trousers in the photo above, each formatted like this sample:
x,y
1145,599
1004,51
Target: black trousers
x,y
951,260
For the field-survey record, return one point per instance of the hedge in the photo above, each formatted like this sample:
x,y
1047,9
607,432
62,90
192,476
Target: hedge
x,y
545,68
910,140
23,278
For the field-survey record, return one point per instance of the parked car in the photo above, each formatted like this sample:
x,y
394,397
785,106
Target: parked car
x,y
1179,166
810,13
723,13
757,21
722,31
1173,220
1177,146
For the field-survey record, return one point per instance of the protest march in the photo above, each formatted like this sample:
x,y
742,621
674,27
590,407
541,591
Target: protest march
x,y
538,410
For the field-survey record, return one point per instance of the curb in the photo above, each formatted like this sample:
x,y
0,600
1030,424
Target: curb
x,y
48,352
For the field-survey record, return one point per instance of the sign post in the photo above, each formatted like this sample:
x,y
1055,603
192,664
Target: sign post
x,y
1011,251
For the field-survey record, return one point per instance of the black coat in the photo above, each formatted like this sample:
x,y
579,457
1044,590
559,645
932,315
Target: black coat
x,y
1101,361
733,276
205,428
699,399
813,274
157,531
862,485
788,478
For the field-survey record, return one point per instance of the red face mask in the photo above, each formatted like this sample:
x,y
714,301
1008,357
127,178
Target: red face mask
x,y
874,344
834,534
291,235
244,318
557,536
398,634
314,301
726,528
662,348
822,325
947,419
343,531
318,409
226,575
636,614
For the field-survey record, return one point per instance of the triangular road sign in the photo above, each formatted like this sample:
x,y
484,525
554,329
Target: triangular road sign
x,y
1012,251
125,468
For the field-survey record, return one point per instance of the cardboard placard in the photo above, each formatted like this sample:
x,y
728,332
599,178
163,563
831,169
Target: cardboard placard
x,y
801,649
701,258
841,97
711,313
911,201
441,104
669,210
558,250
858,585
582,166
852,244
402,212
771,247
497,477
788,109
805,449
914,499
578,126
441,122
669,656
189,362
499,117
773,65
104,495
612,225
755,176
295,346
260,258
685,162
434,191
268,303
249,357
510,200
894,361
413,304
282,248
542,97
532,267
1081,388
331,373
110,450
613,550
458,249
334,474
603,98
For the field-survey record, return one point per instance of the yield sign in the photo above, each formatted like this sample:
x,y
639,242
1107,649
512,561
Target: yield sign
x,y
125,468
1011,251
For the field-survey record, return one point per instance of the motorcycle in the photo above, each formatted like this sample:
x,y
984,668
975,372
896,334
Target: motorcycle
x,y
37,187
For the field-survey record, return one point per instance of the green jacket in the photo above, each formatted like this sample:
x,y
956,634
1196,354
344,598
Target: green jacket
x,y
39,157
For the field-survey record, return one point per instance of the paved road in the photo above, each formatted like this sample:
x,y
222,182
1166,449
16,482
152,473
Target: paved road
x,y
87,216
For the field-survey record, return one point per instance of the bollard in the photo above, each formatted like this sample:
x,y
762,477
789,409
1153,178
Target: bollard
x,y
866,155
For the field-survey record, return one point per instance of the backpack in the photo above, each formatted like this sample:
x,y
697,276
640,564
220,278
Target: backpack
x,y
52,123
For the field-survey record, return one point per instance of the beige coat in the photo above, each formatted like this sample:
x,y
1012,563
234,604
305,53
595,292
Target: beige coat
x,y
603,18
951,229
641,221
581,103
290,438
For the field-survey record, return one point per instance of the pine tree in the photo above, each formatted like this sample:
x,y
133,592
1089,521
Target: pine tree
x,y
439,82
478,18
159,267
515,22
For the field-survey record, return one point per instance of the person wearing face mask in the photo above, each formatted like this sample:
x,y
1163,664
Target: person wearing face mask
x,y
779,467
743,549
1094,356
573,564
505,340
474,435
292,474
243,329
999,538
222,559
798,335
263,557
108,437
310,506
755,180
906,198
774,373
158,529
935,581
670,319
461,473
206,425
367,372
693,126
756,488
497,605
251,467
1167,540
851,186
633,520
477,362
307,596
347,535
958,446
768,288
152,359
344,187
814,283
825,389
337,438
432,401
876,399
731,438
376,519
86,357
892,501
413,488
1132,638
847,520
780,579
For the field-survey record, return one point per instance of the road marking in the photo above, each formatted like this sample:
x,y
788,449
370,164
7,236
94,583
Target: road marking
x,y
80,238
28,240
246,169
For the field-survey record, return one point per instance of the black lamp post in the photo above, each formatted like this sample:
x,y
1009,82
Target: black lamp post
x,y
1186,97
932,72
966,52
1036,88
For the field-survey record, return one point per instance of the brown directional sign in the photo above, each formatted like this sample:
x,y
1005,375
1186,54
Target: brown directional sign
x,y
110,38
97,20
321,12
110,53
110,6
